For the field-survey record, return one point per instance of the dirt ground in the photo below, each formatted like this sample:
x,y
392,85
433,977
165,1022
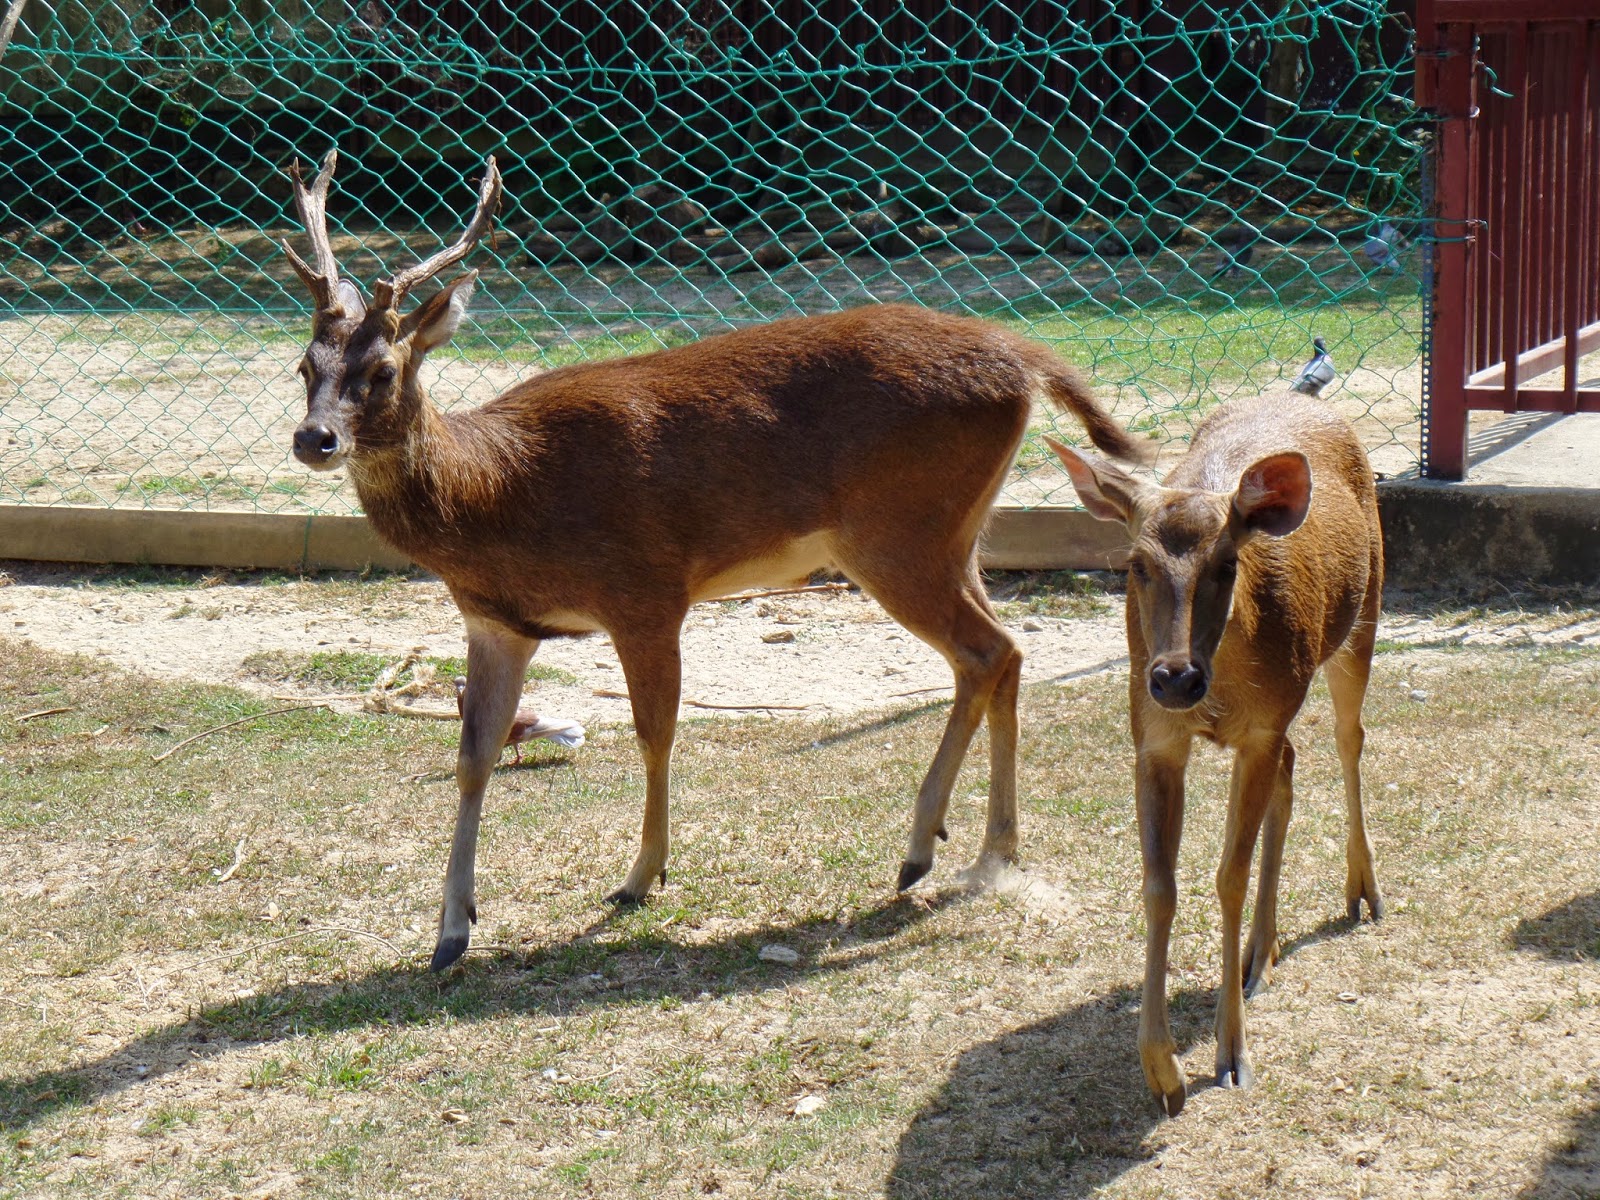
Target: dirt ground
x,y
819,653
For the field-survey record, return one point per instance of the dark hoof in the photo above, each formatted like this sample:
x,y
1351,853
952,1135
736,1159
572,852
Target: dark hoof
x,y
942,834
1239,1075
447,952
623,898
1374,909
1172,1102
472,912
663,877
910,872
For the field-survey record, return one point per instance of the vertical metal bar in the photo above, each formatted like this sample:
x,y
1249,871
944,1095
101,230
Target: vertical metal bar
x,y
1591,188
1444,453
1577,101
1486,170
1516,184
1544,96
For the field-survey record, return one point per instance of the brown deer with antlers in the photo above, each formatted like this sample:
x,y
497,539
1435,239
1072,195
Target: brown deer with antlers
x,y
611,496
1229,618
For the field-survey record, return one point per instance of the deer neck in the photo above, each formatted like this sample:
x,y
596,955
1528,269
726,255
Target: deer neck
x,y
440,476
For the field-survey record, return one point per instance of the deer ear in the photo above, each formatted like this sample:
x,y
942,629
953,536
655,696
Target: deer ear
x,y
1108,492
348,297
435,321
1274,494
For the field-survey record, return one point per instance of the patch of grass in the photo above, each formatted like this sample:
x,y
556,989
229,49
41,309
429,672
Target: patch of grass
x,y
945,1044
349,670
186,487
1060,594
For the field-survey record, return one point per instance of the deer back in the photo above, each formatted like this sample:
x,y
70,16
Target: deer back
x,y
664,471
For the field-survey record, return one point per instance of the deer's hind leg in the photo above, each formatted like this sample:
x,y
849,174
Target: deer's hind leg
x,y
652,663
1347,672
944,604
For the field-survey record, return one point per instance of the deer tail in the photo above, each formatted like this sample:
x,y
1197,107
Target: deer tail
x,y
1068,391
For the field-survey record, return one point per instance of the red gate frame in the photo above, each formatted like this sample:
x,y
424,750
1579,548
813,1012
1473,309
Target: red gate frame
x,y
1514,86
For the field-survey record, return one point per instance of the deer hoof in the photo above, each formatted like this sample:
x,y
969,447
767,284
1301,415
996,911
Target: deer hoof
x,y
1261,964
623,898
942,834
1164,1075
447,952
1374,901
1172,1102
663,877
910,872
1235,1074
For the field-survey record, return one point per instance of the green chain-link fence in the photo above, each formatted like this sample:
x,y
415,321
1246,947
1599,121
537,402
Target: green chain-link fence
x,y
1178,195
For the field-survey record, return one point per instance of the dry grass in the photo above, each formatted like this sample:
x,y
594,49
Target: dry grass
x,y
166,1033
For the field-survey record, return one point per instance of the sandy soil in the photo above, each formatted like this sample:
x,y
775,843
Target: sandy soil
x,y
814,653
846,655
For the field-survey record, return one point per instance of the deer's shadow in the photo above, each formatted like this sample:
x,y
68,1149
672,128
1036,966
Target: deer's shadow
x,y
575,974
1056,1109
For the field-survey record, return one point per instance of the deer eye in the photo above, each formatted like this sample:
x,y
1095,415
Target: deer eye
x,y
1227,571
383,376
1138,570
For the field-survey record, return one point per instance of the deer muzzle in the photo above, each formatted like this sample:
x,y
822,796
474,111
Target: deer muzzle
x,y
318,445
1178,685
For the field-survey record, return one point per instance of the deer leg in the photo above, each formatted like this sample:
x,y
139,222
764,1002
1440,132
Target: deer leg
x,y
1001,830
988,667
1347,674
496,663
1256,768
1158,785
1261,952
653,670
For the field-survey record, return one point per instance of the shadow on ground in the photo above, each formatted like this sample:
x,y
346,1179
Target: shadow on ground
x,y
1569,932
1056,1109
593,970
1572,1172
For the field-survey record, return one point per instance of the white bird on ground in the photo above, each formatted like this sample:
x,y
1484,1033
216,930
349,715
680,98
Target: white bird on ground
x,y
1383,247
1316,374
529,726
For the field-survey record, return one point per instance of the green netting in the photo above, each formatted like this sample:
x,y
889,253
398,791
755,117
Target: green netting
x,y
1177,195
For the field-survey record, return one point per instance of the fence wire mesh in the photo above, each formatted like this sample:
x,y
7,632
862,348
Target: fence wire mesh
x,y
1179,196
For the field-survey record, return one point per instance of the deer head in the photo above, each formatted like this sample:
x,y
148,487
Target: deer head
x,y
1184,561
360,369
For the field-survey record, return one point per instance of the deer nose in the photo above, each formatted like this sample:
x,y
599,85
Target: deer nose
x,y
315,443
1180,687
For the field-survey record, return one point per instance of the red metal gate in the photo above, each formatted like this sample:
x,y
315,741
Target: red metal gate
x,y
1515,180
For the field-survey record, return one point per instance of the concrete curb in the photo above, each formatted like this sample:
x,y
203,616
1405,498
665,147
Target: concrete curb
x,y
1017,539
1451,534
1435,534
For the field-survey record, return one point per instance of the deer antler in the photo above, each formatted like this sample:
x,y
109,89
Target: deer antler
x,y
389,292
313,205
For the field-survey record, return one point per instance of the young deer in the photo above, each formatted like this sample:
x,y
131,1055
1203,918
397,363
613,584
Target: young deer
x,y
1229,618
613,495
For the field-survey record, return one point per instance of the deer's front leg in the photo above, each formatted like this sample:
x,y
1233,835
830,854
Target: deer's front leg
x,y
1256,773
653,669
1261,952
1159,789
496,663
